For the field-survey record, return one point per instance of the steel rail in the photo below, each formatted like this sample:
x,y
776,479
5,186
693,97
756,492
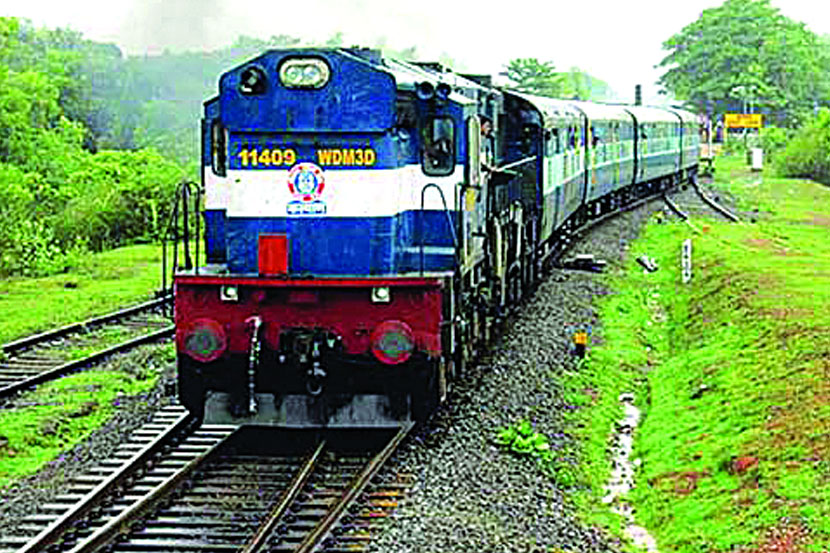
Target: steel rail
x,y
53,533
324,528
29,341
122,524
713,204
674,207
60,370
260,538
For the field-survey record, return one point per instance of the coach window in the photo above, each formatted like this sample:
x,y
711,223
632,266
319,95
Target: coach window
x,y
528,145
438,151
552,142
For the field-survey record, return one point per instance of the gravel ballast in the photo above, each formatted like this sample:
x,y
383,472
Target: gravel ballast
x,y
470,494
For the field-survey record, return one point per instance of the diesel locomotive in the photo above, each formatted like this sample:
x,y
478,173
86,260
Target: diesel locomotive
x,y
369,222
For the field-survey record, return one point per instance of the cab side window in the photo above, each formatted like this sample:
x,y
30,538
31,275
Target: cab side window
x,y
438,146
219,149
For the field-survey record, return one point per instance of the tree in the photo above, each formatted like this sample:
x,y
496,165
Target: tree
x,y
745,53
582,86
531,75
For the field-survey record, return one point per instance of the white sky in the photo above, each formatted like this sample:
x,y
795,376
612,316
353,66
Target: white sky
x,y
618,41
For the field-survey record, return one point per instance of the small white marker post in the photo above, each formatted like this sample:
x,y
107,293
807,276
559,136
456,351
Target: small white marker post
x,y
686,261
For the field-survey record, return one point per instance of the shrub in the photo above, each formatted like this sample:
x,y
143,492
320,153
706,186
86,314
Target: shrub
x,y
119,197
808,153
774,139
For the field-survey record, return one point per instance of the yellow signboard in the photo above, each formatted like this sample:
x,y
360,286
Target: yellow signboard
x,y
743,120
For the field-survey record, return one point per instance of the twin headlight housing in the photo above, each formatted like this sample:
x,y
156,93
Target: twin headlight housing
x,y
293,73
304,73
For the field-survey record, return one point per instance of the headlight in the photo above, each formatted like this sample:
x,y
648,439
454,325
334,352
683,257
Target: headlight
x,y
252,81
304,73
229,292
204,340
392,342
380,294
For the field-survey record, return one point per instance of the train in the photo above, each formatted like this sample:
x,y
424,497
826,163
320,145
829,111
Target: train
x,y
369,223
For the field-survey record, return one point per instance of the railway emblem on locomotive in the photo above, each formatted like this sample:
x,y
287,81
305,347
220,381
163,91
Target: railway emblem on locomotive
x,y
306,183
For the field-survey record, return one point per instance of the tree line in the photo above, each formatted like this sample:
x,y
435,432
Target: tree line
x,y
58,199
92,141
746,55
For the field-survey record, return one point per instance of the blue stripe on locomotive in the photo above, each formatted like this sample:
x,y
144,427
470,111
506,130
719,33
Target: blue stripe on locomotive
x,y
348,245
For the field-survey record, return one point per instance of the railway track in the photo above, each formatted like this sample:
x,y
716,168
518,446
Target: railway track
x,y
223,489
699,204
43,357
56,522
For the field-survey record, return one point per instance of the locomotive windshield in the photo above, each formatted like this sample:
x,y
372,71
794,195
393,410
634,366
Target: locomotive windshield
x,y
438,146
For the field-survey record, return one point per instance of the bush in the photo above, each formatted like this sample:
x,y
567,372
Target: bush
x,y
774,140
807,155
119,197
735,145
58,200
106,200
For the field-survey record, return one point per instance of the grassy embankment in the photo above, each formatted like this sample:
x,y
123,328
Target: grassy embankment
x,y
731,372
106,282
59,415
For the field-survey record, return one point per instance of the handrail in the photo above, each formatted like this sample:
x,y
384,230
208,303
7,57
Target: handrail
x,y
186,192
449,223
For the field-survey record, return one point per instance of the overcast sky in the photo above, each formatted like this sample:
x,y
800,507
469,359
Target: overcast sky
x,y
617,41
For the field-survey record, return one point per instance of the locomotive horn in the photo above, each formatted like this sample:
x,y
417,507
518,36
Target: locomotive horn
x,y
443,91
425,91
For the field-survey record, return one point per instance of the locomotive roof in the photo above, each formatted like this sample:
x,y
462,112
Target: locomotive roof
x,y
408,76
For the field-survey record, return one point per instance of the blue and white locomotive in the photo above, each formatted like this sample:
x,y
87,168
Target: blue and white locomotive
x,y
369,221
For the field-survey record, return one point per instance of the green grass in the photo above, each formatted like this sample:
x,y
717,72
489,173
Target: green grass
x,y
60,414
730,369
102,338
107,281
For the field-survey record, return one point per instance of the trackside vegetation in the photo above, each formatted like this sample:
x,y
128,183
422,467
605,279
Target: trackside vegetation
x,y
101,283
59,196
808,153
731,374
55,417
